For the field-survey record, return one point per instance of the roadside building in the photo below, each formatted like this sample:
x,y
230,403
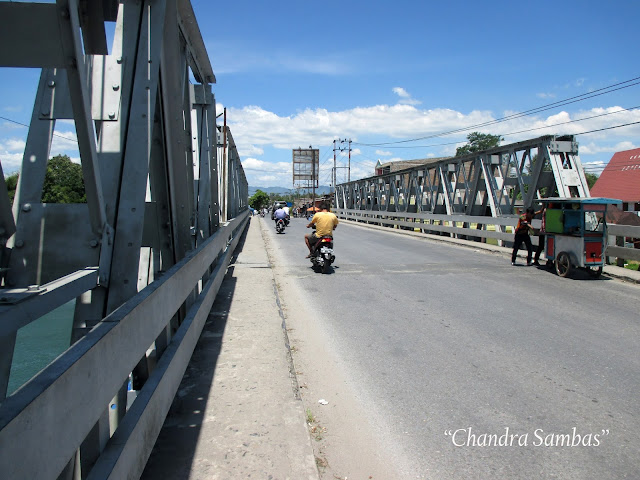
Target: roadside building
x,y
621,179
391,167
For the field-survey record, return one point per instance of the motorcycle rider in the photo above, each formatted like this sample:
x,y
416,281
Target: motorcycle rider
x,y
325,222
280,214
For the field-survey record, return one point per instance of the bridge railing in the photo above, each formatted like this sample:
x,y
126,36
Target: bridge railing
x,y
619,247
166,203
51,416
478,228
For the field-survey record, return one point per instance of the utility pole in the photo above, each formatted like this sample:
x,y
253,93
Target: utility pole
x,y
342,149
224,165
313,176
349,170
333,172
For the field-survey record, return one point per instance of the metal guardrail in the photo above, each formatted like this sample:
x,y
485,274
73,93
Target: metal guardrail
x,y
167,201
459,226
47,420
616,247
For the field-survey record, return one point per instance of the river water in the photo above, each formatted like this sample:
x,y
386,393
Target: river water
x,y
39,343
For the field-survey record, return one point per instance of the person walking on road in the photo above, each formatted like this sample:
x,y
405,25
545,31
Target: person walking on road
x,y
522,235
541,234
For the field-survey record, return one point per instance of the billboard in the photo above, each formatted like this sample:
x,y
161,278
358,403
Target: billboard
x,y
306,163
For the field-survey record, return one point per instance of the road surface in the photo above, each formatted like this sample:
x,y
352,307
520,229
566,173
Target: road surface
x,y
443,362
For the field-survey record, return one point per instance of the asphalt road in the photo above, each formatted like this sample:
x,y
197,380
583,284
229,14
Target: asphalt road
x,y
479,369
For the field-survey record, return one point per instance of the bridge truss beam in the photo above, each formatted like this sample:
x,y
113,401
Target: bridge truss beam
x,y
161,180
493,182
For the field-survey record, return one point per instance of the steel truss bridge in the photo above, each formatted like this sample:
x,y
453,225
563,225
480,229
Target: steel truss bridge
x,y
143,258
486,188
492,182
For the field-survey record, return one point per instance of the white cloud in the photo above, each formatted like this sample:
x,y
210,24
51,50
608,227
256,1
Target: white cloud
x,y
64,142
14,145
255,164
546,95
266,178
254,127
266,174
401,92
594,167
11,162
232,58
593,148
405,97
11,153
253,150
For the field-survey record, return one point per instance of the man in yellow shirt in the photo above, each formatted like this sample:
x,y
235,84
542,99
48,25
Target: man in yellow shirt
x,y
325,222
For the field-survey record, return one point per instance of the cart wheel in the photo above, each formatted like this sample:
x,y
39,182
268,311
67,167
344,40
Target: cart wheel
x,y
563,264
594,272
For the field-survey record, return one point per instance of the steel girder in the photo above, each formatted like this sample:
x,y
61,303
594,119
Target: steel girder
x,y
150,157
494,182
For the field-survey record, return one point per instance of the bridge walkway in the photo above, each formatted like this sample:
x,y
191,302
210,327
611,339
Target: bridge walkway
x,y
237,412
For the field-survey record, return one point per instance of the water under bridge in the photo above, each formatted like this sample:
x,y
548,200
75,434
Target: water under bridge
x,y
143,259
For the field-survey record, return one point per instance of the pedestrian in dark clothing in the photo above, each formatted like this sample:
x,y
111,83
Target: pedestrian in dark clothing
x,y
541,234
522,235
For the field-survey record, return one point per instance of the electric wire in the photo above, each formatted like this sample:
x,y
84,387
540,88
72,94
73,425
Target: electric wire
x,y
550,106
25,125
529,130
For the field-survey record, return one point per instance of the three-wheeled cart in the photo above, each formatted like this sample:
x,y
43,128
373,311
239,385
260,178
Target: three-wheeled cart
x,y
576,233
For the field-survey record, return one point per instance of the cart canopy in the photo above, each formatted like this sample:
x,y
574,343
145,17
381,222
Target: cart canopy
x,y
584,201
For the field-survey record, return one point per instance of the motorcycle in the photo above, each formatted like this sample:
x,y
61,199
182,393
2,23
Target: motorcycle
x,y
322,254
280,225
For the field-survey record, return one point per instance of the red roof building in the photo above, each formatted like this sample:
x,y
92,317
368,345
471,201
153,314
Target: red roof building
x,y
621,179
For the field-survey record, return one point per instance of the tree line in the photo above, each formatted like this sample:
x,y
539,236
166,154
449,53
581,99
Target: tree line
x,y
63,182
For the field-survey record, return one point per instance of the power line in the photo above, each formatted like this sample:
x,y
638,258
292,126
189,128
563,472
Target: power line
x,y
573,121
529,130
75,140
549,106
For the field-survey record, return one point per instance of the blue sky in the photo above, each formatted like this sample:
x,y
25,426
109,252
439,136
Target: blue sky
x,y
294,74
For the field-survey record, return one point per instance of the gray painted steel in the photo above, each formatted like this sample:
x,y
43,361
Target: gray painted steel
x,y
143,257
484,183
459,226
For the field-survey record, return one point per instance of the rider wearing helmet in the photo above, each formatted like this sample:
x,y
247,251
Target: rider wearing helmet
x,y
280,214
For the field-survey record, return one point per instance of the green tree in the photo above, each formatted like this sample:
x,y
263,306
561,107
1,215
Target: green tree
x,y
63,182
12,184
259,200
591,179
478,142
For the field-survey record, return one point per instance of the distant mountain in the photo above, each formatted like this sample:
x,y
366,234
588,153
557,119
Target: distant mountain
x,y
321,190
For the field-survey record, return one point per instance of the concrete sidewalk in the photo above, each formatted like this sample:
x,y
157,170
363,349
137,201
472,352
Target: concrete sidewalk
x,y
237,413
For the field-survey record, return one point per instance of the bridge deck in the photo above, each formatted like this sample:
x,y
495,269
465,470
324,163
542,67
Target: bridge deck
x,y
237,413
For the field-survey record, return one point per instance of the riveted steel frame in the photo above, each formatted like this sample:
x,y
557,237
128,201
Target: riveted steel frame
x,y
493,182
150,156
